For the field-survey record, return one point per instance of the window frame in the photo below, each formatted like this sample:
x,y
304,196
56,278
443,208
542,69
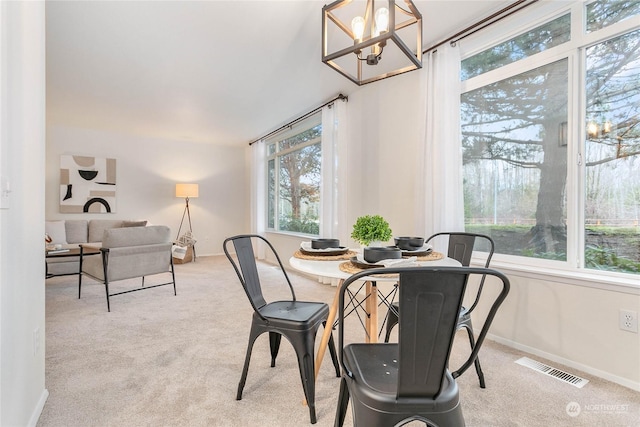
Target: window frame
x,y
572,270
301,126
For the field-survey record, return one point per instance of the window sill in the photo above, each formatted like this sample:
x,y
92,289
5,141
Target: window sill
x,y
292,234
616,282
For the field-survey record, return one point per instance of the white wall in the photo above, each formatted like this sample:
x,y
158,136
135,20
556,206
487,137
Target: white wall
x,y
22,133
147,170
383,152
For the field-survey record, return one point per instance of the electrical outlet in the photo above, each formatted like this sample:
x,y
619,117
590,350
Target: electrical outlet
x,y
629,320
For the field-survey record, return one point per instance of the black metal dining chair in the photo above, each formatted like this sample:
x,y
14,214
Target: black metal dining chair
x,y
297,320
460,247
390,384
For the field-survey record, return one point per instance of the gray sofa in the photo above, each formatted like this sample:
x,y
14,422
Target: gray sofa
x,y
70,233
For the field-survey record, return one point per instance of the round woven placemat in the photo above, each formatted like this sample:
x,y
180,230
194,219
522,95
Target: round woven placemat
x,y
432,256
348,267
348,255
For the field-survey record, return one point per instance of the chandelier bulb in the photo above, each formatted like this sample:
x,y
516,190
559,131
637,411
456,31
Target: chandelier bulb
x,y
382,20
357,26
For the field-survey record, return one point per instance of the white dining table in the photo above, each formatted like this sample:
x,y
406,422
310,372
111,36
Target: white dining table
x,y
331,269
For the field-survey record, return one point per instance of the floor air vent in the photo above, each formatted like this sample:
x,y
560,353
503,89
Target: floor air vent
x,y
552,372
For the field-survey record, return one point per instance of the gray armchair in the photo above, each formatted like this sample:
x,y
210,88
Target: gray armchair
x,y
128,253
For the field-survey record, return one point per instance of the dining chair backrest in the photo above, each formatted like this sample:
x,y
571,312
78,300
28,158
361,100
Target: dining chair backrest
x,y
430,301
461,246
246,267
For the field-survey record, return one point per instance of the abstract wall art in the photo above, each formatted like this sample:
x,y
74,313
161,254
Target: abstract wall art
x,y
87,184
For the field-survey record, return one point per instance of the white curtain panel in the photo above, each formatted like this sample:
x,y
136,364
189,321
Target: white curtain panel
x,y
258,192
333,193
440,160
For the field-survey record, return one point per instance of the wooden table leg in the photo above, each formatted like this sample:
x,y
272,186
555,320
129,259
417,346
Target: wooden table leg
x,y
326,334
372,308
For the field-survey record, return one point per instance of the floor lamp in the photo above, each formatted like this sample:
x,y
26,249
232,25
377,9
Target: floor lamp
x,y
187,191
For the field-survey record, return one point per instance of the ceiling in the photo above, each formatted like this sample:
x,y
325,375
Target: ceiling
x,y
223,72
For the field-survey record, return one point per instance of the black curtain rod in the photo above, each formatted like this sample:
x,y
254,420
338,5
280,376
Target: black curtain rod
x,y
302,117
489,20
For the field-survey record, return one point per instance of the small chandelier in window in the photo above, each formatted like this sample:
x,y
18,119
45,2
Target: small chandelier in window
x,y
356,49
598,126
598,130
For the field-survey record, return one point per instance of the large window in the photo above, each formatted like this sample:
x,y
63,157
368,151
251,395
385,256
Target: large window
x,y
551,138
293,179
515,165
612,154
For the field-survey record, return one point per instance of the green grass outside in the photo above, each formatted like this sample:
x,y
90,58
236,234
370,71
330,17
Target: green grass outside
x,y
602,250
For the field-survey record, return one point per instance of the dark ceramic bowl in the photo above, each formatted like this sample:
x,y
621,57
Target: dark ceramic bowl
x,y
375,254
409,243
325,243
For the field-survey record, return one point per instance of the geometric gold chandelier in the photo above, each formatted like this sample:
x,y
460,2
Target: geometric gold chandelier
x,y
366,43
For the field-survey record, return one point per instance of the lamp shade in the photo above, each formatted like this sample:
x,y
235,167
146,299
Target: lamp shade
x,y
186,190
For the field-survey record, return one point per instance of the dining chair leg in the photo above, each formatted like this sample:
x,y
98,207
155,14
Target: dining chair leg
x,y
332,351
243,378
476,363
304,346
388,301
274,344
392,320
343,402
479,372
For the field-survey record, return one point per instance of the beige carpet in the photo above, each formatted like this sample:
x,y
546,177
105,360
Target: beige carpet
x,y
164,360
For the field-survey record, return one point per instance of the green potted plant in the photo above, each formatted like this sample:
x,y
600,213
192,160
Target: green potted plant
x,y
371,228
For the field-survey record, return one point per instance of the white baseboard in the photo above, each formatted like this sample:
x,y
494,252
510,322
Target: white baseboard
x,y
570,363
37,411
